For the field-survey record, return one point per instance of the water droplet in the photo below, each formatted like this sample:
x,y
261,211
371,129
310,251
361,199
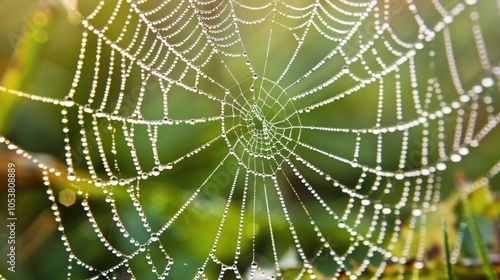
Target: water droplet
x,y
455,158
487,82
477,89
169,166
425,171
464,98
113,180
487,100
365,202
254,265
441,166
399,175
156,171
98,182
419,265
416,212
154,237
68,101
446,110
255,76
496,70
71,176
463,151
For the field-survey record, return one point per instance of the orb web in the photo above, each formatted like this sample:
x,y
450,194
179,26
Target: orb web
x,y
315,134
263,128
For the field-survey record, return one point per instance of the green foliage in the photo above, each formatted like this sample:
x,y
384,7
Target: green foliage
x,y
47,259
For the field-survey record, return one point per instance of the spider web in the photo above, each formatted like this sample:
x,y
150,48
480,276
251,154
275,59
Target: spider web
x,y
317,134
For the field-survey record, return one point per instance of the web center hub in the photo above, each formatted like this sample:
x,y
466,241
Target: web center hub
x,y
261,127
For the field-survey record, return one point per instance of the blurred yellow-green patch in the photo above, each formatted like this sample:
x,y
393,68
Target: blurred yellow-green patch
x,y
235,139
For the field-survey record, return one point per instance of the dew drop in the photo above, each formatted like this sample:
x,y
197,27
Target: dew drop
x,y
98,182
487,100
464,98
113,180
419,265
477,89
169,166
154,237
71,176
425,171
399,175
487,82
99,113
496,70
474,143
416,212
68,101
455,157
156,171
446,110
254,265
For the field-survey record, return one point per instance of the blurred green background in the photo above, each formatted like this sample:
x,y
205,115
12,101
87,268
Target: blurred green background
x,y
39,47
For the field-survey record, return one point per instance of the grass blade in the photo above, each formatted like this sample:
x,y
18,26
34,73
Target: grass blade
x,y
449,269
478,240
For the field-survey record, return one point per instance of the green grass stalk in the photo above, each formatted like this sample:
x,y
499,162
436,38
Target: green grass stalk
x,y
478,240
